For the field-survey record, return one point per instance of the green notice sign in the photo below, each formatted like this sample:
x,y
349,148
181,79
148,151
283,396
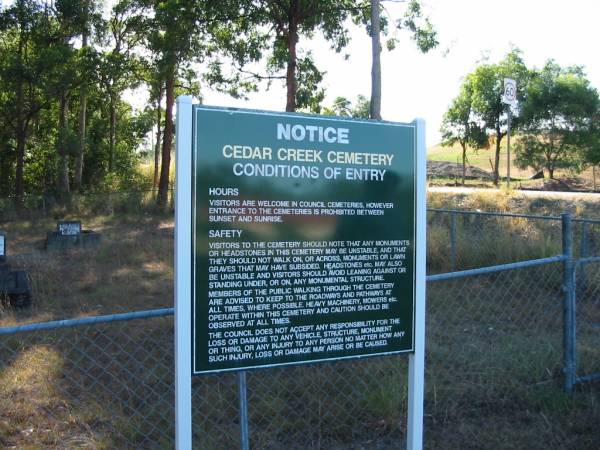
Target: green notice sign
x,y
303,238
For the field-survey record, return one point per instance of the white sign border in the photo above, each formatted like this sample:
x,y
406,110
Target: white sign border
x,y
183,284
412,126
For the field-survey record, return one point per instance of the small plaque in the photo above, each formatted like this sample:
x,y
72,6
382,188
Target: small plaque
x,y
69,228
2,246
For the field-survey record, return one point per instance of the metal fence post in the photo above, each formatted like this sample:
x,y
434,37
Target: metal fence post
x,y
568,305
453,242
243,397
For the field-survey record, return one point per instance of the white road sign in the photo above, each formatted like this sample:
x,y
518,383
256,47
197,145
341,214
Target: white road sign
x,y
510,91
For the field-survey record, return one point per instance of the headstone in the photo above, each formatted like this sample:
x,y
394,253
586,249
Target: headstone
x,y
2,247
69,228
15,290
69,234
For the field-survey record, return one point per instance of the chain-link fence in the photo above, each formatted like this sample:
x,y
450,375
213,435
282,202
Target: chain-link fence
x,y
110,385
494,369
460,240
587,319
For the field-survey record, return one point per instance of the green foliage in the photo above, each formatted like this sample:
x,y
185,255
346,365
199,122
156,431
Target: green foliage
x,y
558,117
421,29
460,123
344,108
287,22
489,111
309,95
41,75
488,87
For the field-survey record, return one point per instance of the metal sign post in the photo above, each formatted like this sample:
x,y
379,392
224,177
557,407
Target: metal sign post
x,y
299,239
509,98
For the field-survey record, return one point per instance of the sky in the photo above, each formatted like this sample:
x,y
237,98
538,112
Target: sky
x,y
416,85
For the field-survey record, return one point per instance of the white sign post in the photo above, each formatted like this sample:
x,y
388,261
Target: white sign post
x,y
183,273
509,98
416,360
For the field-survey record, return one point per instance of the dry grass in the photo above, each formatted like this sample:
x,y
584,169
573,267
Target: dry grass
x,y
494,363
481,158
131,270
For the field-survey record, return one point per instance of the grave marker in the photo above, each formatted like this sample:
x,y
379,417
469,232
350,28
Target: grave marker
x,y
2,247
69,228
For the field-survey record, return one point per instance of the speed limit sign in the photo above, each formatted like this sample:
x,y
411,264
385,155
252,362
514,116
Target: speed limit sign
x,y
510,91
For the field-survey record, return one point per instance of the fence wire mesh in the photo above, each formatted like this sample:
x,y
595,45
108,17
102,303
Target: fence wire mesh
x,y
112,386
460,241
587,236
587,318
494,347
493,364
100,386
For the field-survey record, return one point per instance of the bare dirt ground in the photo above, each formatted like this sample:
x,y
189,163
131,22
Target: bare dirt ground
x,y
452,170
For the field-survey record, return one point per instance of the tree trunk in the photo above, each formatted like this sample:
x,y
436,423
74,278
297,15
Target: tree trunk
x,y
163,182
21,135
82,131
551,173
19,185
464,162
292,40
112,134
376,64
63,151
158,136
497,157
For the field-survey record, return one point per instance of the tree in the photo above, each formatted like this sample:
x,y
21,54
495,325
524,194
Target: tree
x,y
344,108
591,149
375,104
488,88
171,32
422,33
181,32
288,21
120,67
91,20
460,126
26,60
558,117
